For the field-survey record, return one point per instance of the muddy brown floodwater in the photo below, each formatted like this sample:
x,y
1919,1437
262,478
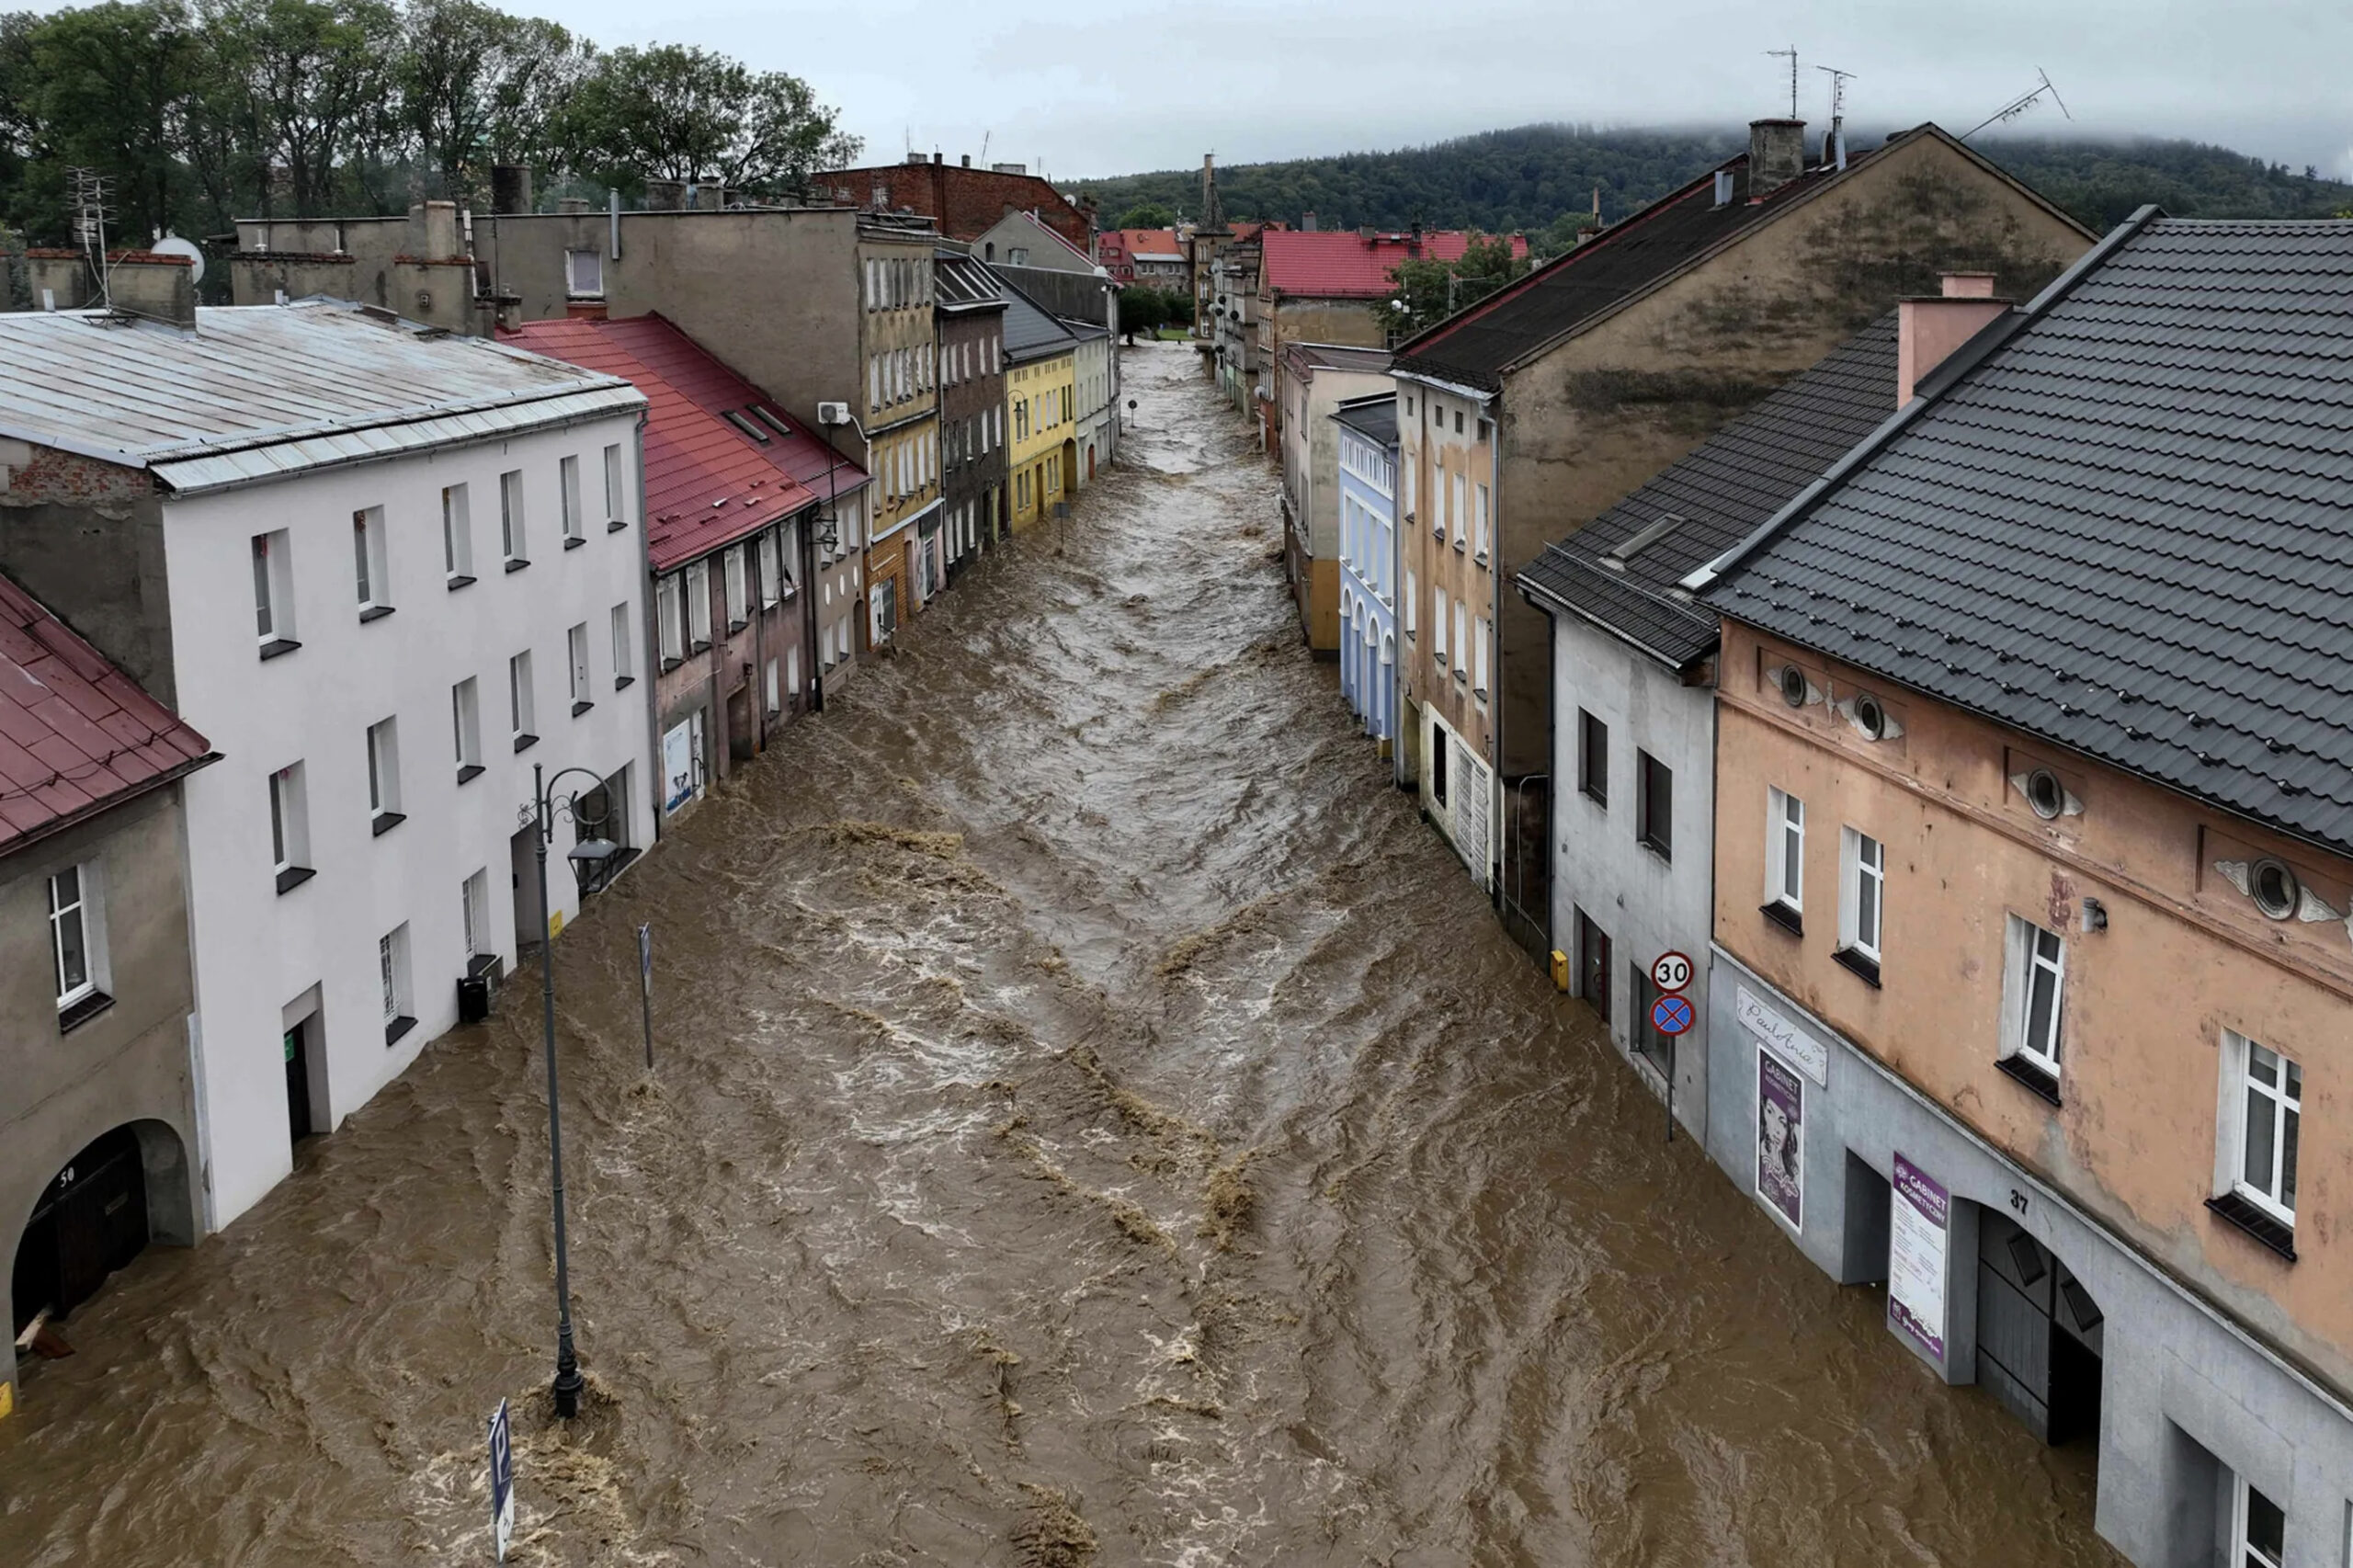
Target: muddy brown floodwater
x,y
1096,1121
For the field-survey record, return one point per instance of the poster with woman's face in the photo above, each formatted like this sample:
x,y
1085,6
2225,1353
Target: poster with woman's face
x,y
1780,1140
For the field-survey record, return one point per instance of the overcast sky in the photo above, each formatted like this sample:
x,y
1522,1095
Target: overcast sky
x,y
1115,86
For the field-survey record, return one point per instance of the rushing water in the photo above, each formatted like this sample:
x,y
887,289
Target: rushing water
x,y
1094,1118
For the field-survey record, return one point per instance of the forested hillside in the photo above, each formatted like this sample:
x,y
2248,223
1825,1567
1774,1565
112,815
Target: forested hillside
x,y
1532,177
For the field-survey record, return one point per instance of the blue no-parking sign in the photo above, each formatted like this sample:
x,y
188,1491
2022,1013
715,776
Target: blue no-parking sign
x,y
502,1480
1671,1014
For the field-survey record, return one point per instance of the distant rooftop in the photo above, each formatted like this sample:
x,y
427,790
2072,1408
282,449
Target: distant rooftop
x,y
1343,264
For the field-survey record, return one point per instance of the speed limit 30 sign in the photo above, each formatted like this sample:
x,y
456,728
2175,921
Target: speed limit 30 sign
x,y
1671,972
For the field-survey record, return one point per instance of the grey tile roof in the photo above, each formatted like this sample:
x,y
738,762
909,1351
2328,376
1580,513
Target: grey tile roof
x,y
962,284
1723,490
2127,527
1375,418
256,391
1029,332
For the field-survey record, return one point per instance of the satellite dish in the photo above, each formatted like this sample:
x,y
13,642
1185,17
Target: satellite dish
x,y
175,245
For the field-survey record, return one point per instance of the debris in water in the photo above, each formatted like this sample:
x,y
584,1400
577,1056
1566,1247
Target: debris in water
x,y
1053,1535
1232,1201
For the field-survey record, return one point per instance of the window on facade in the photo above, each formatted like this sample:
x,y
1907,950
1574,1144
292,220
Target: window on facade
x,y
739,603
1654,805
697,590
775,689
1482,635
520,700
1862,862
391,968
1458,509
1462,641
290,826
1481,540
1593,758
384,774
1437,754
369,561
2034,974
457,536
474,902
1648,1041
510,518
1784,850
274,592
465,719
1438,626
623,662
584,274
1592,964
771,579
2266,1095
2259,1528
1413,598
616,516
669,601
77,941
567,472
576,650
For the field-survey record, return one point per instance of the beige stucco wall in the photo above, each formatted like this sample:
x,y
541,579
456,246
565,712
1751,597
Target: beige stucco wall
x,y
2184,957
1430,455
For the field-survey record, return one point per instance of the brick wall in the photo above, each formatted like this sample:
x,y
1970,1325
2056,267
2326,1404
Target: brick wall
x,y
965,202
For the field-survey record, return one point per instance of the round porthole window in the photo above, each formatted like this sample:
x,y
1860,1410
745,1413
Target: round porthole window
x,y
1871,718
2275,888
2045,794
1794,686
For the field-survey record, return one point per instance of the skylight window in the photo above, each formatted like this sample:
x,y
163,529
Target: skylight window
x,y
771,418
755,432
1634,544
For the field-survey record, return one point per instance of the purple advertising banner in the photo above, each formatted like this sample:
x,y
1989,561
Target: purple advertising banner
x,y
1918,1225
1780,1140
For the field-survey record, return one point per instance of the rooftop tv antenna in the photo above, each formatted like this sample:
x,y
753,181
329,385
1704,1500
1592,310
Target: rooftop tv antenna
x,y
1791,53
1835,149
2020,105
91,190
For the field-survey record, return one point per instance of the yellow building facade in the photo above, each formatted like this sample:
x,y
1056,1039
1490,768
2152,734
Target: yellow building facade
x,y
1041,448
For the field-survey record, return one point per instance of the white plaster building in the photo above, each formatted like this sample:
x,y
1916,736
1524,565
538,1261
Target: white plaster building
x,y
386,571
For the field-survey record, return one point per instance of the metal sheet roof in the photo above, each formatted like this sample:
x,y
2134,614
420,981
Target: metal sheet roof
x,y
260,391
2124,528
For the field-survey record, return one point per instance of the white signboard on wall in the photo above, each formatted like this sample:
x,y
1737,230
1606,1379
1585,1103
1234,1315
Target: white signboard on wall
x,y
1919,1223
1784,1038
677,765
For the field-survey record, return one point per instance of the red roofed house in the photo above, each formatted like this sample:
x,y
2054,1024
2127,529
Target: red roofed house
x,y
1333,286
1155,257
731,536
98,1123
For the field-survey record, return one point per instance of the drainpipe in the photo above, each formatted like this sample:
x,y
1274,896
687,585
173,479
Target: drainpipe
x,y
650,648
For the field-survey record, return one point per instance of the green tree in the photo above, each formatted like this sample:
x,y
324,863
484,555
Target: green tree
x,y
1426,292
679,112
478,87
1147,215
114,87
308,87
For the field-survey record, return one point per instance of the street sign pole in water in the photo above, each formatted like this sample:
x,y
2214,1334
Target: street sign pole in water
x,y
1671,971
502,1480
1671,1014
645,986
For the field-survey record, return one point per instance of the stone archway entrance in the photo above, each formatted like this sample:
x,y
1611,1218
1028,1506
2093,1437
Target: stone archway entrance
x,y
2040,1339
124,1189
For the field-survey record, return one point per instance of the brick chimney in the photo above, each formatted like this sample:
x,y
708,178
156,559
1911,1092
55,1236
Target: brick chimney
x,y
1776,155
1928,328
160,288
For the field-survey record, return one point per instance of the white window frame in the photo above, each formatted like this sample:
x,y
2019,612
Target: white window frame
x,y
2245,1553
584,274
370,559
616,502
1862,862
2283,1098
86,913
768,555
1784,850
512,544
289,819
2024,961
1461,636
465,722
1481,537
522,701
567,474
456,535
1438,625
1480,631
395,993
670,617
383,769
273,587
621,642
577,647
473,902
739,593
1411,605
697,589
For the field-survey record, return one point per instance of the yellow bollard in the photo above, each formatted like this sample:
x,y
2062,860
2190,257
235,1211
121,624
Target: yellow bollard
x,y
1560,970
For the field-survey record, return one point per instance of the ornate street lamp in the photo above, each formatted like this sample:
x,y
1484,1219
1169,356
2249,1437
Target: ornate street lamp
x,y
588,858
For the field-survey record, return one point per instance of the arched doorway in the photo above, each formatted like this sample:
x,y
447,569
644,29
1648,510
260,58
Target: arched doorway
x,y
2040,1334
125,1188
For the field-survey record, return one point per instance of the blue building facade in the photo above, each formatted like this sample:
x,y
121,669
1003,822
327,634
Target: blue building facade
x,y
1369,563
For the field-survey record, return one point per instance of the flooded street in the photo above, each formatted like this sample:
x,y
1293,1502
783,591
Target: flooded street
x,y
1095,1120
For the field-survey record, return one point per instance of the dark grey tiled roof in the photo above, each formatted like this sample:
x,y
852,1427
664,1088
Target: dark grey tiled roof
x,y
962,284
1029,332
1723,491
1375,418
2128,528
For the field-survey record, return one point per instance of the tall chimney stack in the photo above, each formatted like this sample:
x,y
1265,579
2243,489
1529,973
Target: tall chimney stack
x,y
1776,155
1928,329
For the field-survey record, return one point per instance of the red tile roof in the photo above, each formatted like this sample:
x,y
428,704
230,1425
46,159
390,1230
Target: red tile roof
x,y
1150,242
706,483
77,734
1345,265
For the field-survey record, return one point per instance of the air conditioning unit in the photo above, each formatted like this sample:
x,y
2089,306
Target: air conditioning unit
x,y
833,414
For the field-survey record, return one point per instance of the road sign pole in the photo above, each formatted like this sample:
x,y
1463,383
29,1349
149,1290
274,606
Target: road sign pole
x,y
1670,1088
645,986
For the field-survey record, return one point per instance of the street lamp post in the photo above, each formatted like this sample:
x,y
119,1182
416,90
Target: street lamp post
x,y
586,855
